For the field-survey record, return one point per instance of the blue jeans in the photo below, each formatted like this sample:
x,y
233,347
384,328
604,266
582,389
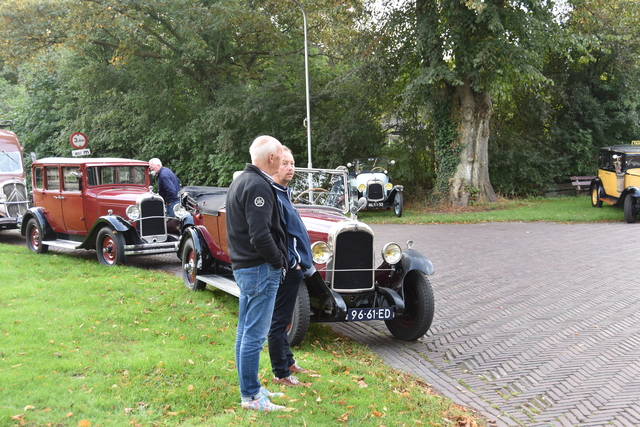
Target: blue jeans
x,y
258,287
279,348
170,207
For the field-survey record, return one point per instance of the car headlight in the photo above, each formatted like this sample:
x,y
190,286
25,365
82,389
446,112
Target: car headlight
x,y
388,186
361,187
180,212
320,252
392,253
133,213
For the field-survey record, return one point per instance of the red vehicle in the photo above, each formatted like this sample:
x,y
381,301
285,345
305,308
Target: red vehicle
x,y
346,286
13,194
106,204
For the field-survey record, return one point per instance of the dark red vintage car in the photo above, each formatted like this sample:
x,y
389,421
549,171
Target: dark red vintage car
x,y
346,286
106,204
13,194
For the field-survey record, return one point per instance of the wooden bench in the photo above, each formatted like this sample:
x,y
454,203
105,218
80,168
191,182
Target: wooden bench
x,y
581,181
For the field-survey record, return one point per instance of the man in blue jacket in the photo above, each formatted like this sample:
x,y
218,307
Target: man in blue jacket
x,y
257,243
299,261
168,185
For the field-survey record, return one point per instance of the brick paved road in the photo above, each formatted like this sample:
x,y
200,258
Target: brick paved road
x,y
536,324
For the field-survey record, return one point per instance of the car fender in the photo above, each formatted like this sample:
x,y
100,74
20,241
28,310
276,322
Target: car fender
x,y
414,260
391,197
634,191
116,223
38,215
328,299
199,242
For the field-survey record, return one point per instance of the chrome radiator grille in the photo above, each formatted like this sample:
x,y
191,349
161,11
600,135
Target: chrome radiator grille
x,y
16,203
152,220
353,261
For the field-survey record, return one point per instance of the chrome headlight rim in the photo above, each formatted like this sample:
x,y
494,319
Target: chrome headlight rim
x,y
362,187
388,186
180,211
133,212
392,253
321,252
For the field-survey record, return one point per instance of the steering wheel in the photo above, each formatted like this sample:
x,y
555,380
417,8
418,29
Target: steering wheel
x,y
320,190
378,167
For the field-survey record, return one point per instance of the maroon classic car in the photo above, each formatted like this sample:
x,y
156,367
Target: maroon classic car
x,y
105,204
346,285
13,188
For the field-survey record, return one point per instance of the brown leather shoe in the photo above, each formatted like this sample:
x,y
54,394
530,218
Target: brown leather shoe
x,y
290,381
295,369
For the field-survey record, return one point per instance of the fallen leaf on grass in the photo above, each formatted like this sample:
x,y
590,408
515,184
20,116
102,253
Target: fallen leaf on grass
x,y
26,408
84,423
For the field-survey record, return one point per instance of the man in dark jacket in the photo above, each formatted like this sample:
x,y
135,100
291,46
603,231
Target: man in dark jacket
x,y
300,260
257,241
168,185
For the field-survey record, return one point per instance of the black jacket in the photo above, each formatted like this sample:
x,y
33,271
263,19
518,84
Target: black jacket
x,y
255,230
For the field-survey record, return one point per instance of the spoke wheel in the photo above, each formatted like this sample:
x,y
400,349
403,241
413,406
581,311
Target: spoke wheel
x,y
190,267
299,325
34,237
398,205
419,308
110,247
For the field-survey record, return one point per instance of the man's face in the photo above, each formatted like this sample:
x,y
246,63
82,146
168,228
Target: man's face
x,y
154,168
286,170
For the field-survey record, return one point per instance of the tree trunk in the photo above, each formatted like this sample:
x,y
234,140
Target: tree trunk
x,y
471,179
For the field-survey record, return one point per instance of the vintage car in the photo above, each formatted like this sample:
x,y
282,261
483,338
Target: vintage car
x,y
618,180
370,179
346,284
105,204
13,196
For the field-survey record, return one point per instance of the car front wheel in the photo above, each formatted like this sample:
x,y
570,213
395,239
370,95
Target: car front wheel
x,y
630,211
398,205
596,202
190,267
110,247
34,237
299,325
419,308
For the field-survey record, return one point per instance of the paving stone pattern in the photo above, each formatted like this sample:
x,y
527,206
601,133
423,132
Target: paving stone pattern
x,y
536,324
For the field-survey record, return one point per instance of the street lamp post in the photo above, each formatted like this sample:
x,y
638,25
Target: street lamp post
x,y
306,75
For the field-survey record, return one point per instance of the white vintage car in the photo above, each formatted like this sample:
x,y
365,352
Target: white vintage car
x,y
370,179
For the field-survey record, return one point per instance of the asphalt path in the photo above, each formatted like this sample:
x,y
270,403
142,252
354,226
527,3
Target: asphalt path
x,y
536,324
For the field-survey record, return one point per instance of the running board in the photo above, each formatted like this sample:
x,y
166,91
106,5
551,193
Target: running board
x,y
222,283
60,243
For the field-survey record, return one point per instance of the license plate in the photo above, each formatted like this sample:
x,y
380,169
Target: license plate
x,y
361,314
375,204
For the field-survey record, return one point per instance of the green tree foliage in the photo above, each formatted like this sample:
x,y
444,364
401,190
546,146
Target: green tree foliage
x,y
190,82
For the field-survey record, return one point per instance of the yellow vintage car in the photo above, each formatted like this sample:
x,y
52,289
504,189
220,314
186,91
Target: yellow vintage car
x,y
618,180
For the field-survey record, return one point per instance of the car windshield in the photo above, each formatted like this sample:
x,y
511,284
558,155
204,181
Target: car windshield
x,y
632,161
10,163
369,164
320,187
109,175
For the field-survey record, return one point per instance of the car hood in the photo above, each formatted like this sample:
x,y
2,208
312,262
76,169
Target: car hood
x,y
122,195
320,220
634,172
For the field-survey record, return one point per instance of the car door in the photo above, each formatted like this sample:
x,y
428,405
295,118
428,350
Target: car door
x,y
607,173
71,201
49,197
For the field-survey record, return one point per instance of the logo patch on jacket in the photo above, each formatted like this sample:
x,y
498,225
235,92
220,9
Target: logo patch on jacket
x,y
259,201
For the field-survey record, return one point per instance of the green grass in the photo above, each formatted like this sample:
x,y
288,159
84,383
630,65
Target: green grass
x,y
86,345
557,209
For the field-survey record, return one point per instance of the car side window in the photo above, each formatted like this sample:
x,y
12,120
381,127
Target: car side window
x,y
53,178
605,161
71,176
38,178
